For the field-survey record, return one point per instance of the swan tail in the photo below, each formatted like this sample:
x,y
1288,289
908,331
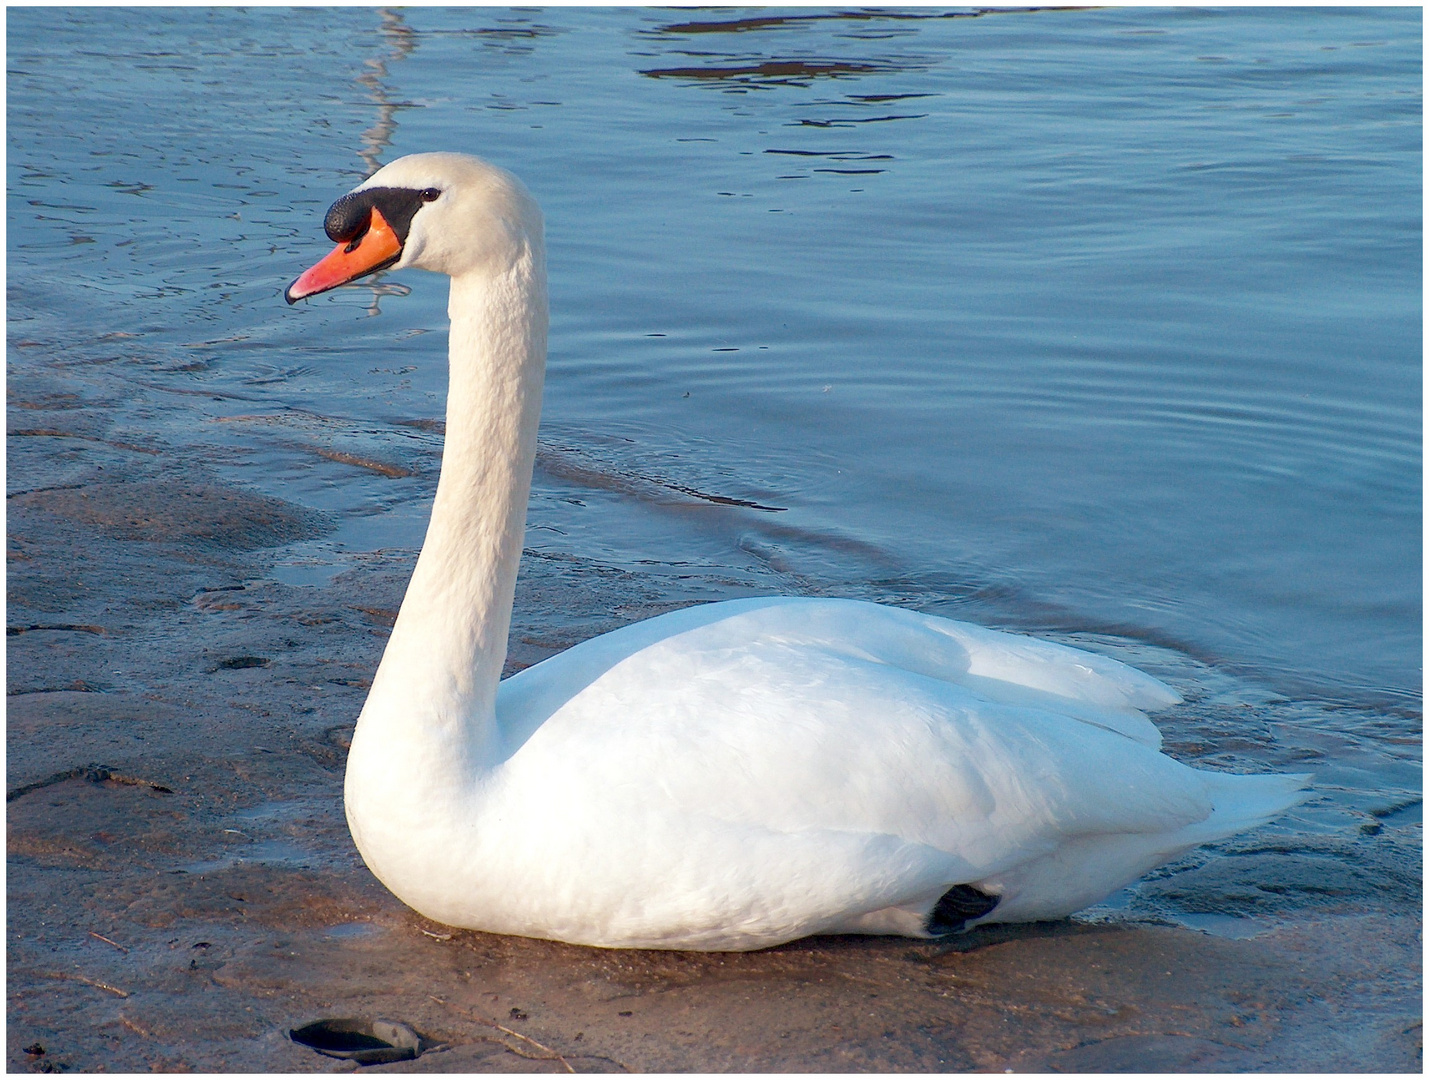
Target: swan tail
x,y
1086,869
1242,802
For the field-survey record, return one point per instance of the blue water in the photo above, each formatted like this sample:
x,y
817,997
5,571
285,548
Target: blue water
x,y
1099,324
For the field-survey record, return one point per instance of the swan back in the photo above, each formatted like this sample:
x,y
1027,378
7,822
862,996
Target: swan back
x,y
1008,669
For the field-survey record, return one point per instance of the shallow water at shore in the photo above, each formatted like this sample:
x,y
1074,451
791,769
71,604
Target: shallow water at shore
x,y
1097,325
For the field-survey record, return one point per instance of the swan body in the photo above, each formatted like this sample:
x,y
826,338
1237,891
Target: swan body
x,y
728,776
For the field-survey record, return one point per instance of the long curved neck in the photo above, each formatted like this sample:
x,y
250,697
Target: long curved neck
x,y
437,680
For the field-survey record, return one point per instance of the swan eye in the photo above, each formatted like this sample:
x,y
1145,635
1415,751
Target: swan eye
x,y
430,194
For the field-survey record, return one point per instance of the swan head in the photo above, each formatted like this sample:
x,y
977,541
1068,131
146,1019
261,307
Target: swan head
x,y
450,213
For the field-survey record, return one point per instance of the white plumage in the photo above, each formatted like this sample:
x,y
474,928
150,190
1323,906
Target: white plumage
x,y
733,775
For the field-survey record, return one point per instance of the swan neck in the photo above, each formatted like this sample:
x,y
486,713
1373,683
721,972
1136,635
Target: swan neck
x,y
444,658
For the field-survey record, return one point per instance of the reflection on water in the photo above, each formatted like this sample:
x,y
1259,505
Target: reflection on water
x,y
737,72
1101,324
376,139
770,22
771,72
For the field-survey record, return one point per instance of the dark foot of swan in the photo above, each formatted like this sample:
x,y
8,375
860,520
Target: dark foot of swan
x,y
957,907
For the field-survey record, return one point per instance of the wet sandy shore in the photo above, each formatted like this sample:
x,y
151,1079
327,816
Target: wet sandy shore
x,y
182,889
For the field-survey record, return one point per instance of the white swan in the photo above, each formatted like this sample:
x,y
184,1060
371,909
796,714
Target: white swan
x,y
729,776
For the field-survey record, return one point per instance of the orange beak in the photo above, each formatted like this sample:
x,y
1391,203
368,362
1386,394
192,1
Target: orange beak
x,y
371,251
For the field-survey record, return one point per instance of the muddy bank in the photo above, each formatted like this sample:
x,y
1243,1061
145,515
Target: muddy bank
x,y
183,891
